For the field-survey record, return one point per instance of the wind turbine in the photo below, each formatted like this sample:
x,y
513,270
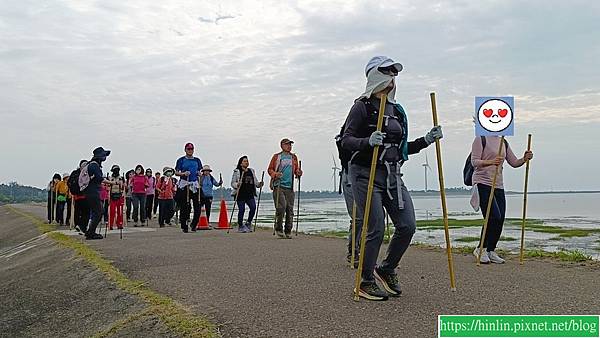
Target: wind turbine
x,y
335,169
425,168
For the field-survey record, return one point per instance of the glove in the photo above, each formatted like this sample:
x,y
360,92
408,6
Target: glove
x,y
434,134
376,139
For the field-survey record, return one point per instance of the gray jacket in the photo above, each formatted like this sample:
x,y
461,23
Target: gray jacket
x,y
235,180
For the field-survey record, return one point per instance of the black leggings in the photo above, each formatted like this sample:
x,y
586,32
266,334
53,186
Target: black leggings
x,y
497,213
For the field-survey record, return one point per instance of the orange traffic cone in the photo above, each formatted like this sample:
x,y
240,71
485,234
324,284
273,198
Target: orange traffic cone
x,y
223,217
203,221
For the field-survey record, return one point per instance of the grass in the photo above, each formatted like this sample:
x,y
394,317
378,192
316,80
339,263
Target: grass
x,y
563,255
173,315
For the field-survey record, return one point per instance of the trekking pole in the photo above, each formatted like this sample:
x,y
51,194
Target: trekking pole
x,y
438,152
298,210
237,191
124,217
262,180
489,205
276,205
365,226
353,240
53,203
104,212
525,202
387,226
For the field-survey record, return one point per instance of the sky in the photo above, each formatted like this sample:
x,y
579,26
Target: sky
x,y
142,78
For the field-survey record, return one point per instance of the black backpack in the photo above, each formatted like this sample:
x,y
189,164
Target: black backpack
x,y
469,169
73,182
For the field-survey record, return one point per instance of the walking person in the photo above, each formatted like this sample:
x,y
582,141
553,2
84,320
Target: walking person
x,y
188,189
156,180
139,184
283,168
150,190
81,213
61,191
484,158
92,191
51,205
166,190
360,136
69,200
207,182
117,198
244,183
128,196
104,197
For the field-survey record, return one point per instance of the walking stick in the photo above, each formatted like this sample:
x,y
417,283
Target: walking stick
x,y
124,217
298,210
525,202
276,205
438,152
353,240
105,208
365,227
387,226
489,205
53,203
237,191
262,180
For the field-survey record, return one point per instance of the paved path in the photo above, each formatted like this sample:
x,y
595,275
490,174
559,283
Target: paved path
x,y
255,285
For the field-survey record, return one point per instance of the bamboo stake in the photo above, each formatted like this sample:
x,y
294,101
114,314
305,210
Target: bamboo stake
x,y
353,240
237,191
489,205
438,151
298,206
525,202
365,227
262,181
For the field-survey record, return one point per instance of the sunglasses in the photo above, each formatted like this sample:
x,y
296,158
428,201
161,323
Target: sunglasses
x,y
189,148
389,70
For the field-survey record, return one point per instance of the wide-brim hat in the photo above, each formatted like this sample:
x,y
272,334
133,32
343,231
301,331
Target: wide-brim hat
x,y
101,153
115,167
168,169
65,175
206,167
382,61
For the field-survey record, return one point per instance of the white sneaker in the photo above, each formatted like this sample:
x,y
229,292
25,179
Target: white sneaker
x,y
484,256
494,258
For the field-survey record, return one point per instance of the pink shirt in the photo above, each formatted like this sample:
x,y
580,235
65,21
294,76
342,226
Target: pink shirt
x,y
485,174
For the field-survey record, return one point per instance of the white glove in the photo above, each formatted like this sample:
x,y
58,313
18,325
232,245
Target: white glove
x,y
434,134
376,138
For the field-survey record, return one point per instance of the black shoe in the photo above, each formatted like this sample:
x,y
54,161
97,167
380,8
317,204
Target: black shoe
x,y
349,259
389,281
185,230
370,291
93,236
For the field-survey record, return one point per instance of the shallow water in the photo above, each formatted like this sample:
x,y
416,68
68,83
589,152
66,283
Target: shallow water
x,y
571,211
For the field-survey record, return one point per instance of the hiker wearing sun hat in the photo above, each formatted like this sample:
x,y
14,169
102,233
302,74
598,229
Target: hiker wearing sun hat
x,y
188,169
360,137
116,197
166,189
207,182
92,191
62,192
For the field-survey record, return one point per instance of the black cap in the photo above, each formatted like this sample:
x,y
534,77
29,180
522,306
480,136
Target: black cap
x,y
101,153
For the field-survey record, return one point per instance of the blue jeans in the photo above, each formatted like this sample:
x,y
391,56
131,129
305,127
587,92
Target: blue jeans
x,y
497,213
242,208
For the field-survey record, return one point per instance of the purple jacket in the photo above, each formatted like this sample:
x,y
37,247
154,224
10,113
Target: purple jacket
x,y
152,186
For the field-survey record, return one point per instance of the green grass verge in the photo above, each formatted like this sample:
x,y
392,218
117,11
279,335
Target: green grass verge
x,y
173,315
563,255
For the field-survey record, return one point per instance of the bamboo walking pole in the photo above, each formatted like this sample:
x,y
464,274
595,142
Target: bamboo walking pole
x,y
262,181
237,191
525,202
353,239
298,206
365,227
489,205
276,205
438,151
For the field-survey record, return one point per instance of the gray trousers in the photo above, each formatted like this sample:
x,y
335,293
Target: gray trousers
x,y
403,218
349,198
284,206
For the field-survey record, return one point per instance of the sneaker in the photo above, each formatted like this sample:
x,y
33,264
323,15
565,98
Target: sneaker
x,y
249,227
185,230
349,260
242,229
370,291
389,281
288,235
484,256
93,236
494,258
135,224
280,233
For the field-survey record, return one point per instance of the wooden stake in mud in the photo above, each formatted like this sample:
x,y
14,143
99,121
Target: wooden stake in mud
x,y
353,240
525,202
438,151
262,181
365,227
298,206
489,205
237,191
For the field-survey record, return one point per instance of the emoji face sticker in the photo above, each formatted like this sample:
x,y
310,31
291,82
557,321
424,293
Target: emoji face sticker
x,y
494,116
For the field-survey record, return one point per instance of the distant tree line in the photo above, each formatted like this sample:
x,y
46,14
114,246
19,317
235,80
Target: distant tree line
x,y
16,193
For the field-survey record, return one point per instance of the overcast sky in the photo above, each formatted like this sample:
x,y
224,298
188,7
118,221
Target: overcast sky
x,y
234,77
